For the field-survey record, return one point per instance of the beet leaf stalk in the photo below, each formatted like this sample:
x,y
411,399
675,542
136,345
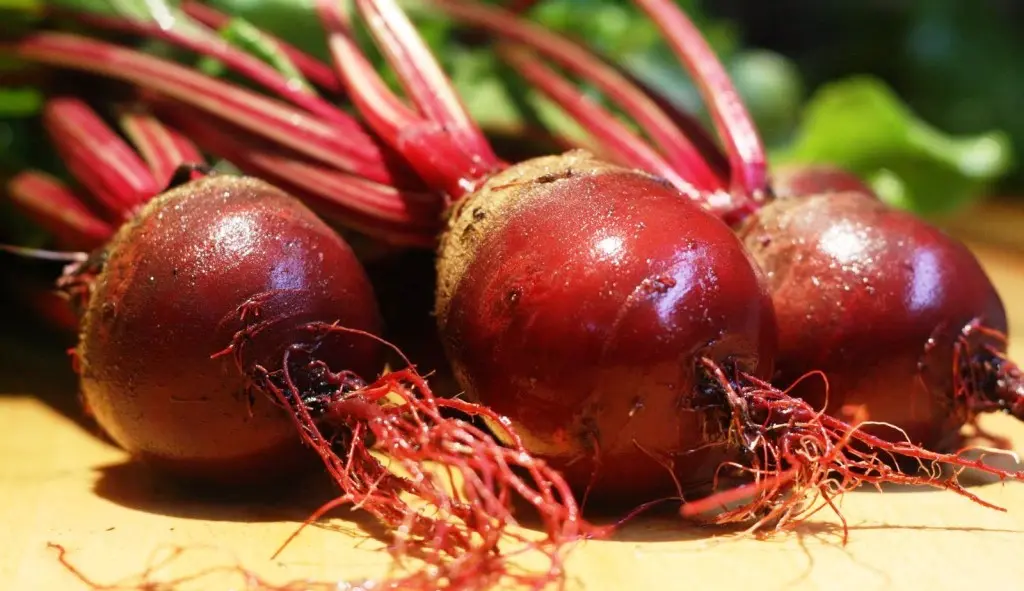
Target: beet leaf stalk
x,y
337,146
116,180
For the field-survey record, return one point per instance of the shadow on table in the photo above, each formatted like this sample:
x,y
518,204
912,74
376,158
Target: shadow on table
x,y
134,486
34,361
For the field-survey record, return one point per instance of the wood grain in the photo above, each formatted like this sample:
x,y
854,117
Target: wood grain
x,y
59,483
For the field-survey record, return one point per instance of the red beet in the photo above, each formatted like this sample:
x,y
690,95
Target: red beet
x,y
167,299
576,298
883,304
903,321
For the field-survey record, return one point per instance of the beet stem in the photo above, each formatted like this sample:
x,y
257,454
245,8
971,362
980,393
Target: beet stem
x,y
423,79
269,118
734,123
163,148
436,152
626,147
679,151
399,216
98,157
317,72
199,39
60,211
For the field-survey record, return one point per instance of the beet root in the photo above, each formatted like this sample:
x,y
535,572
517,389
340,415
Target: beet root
x,y
899,316
577,298
167,297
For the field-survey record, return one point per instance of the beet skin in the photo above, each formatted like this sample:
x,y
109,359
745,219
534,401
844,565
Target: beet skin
x,y
576,298
170,295
876,299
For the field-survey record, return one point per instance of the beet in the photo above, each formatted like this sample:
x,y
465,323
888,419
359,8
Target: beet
x,y
575,297
166,300
882,303
901,319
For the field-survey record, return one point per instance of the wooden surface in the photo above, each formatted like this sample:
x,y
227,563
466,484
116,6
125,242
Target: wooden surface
x,y
61,484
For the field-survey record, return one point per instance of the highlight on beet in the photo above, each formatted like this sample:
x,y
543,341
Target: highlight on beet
x,y
583,298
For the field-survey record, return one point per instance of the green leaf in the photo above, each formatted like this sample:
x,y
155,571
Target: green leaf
x,y
860,124
160,11
248,38
20,102
772,88
33,6
294,21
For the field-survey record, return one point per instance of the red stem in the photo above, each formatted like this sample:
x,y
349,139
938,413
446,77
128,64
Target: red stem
x,y
398,216
422,77
98,157
353,151
735,126
163,148
679,151
688,124
61,212
317,72
629,149
204,42
427,145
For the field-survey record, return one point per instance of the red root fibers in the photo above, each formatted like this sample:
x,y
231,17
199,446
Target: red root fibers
x,y
442,487
800,460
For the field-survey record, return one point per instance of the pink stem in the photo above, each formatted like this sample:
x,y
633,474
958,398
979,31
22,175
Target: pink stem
x,y
427,145
630,149
679,151
424,80
734,124
317,72
204,42
688,124
398,216
55,207
353,151
98,157
163,148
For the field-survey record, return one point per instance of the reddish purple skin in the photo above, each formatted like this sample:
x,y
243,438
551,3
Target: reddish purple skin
x,y
168,299
874,297
582,318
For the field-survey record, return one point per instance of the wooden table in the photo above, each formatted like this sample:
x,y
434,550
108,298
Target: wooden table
x,y
61,484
